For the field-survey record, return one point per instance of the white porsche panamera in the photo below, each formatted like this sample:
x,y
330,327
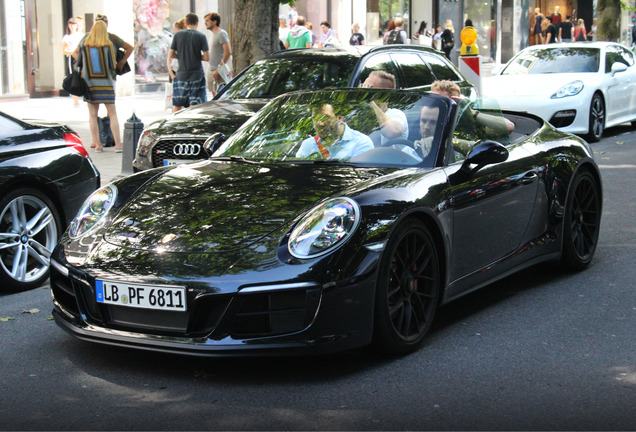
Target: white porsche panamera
x,y
580,87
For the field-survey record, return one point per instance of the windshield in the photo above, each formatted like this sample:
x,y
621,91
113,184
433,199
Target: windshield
x,y
366,126
273,77
554,60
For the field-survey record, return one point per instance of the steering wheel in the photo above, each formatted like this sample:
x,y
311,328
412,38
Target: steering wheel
x,y
399,143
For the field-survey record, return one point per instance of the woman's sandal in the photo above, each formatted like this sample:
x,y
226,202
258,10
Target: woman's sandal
x,y
119,149
99,149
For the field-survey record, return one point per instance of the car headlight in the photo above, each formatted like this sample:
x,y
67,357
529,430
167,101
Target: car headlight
x,y
324,228
93,210
571,89
146,140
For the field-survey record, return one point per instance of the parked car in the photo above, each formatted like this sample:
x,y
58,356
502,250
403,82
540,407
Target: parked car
x,y
581,87
45,176
275,246
180,138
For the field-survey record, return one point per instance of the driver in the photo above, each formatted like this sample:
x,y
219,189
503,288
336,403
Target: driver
x,y
334,139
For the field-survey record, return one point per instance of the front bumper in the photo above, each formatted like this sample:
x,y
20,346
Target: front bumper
x,y
302,318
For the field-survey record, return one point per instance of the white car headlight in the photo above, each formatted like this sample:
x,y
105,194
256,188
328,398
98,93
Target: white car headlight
x,y
145,142
324,228
571,89
93,210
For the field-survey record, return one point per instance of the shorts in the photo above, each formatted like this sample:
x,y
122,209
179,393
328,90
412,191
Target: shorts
x,y
188,93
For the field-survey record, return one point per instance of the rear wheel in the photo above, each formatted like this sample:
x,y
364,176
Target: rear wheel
x,y
29,229
408,289
597,119
582,222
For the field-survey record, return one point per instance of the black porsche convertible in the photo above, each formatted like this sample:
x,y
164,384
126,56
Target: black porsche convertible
x,y
316,227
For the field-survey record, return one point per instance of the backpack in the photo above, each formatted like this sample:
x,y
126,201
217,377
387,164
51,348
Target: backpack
x,y
394,37
448,41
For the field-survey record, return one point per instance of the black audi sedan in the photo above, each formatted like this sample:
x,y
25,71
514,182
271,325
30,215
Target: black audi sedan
x,y
45,176
181,137
300,235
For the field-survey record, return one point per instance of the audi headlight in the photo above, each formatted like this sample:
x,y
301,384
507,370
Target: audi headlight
x,y
93,210
325,228
146,140
571,89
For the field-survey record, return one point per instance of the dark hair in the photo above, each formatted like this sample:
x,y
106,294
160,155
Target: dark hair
x,y
300,20
192,19
568,16
422,27
101,17
549,18
213,16
468,23
326,24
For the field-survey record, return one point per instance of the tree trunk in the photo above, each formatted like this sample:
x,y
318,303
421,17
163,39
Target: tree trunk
x,y
608,24
255,32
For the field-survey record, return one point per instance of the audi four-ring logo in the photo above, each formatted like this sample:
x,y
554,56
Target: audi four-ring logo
x,y
186,149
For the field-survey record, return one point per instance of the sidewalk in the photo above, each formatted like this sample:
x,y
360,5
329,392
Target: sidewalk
x,y
146,106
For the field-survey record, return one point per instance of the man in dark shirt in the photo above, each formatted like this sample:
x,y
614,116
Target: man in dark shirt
x,y
565,30
190,47
551,32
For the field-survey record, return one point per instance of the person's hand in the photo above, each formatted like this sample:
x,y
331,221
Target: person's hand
x,y
216,75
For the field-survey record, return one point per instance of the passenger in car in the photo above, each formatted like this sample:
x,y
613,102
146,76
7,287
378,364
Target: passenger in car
x,y
333,139
428,122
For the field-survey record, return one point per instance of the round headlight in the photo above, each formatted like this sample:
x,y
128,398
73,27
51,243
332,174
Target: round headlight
x,y
325,228
571,89
93,210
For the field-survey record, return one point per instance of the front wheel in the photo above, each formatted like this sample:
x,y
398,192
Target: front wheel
x,y
407,290
597,119
29,229
582,222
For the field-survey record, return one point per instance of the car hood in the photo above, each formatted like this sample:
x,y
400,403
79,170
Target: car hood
x,y
540,85
224,116
220,206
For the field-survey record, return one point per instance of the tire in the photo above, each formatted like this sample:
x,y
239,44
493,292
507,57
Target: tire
x,y
596,119
582,222
407,290
29,230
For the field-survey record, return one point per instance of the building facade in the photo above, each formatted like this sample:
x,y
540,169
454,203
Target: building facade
x,y
31,31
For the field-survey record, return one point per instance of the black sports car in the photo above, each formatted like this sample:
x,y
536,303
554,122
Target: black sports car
x,y
314,228
45,175
180,138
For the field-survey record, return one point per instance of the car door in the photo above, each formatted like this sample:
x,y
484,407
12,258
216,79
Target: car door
x,y
492,206
621,90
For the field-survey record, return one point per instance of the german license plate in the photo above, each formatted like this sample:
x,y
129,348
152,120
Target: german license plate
x,y
141,296
171,162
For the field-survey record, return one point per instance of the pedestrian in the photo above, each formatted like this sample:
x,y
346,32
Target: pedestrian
x,y
70,42
118,44
356,38
299,36
550,32
328,37
437,37
580,34
220,51
191,47
448,38
99,71
390,27
283,30
565,30
173,64
314,38
398,35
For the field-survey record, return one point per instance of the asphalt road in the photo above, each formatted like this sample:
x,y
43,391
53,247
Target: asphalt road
x,y
541,350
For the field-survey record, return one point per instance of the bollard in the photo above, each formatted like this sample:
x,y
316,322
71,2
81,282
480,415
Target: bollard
x,y
132,131
470,60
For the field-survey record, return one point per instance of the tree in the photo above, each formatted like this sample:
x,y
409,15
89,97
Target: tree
x,y
255,32
608,25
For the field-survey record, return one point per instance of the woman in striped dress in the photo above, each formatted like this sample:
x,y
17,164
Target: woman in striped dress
x,y
98,70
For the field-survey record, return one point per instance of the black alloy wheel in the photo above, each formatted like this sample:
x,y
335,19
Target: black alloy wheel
x,y
408,289
597,119
29,230
582,222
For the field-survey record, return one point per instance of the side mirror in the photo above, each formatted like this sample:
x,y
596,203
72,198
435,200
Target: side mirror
x,y
213,143
486,153
618,67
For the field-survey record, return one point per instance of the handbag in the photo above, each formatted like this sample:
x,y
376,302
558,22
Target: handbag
x,y
120,55
73,82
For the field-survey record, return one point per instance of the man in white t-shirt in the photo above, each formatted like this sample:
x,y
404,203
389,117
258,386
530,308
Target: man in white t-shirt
x,y
392,121
220,51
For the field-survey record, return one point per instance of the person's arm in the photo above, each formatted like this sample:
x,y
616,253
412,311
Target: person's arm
x,y
390,128
171,55
66,48
560,34
128,51
75,53
227,52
